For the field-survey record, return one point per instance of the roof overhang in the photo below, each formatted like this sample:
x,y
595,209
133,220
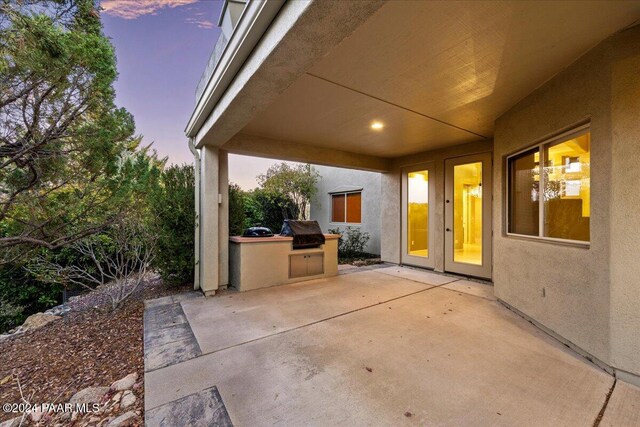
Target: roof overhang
x,y
254,21
437,74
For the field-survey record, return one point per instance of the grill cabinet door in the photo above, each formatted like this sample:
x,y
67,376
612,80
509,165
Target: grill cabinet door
x,y
315,264
297,266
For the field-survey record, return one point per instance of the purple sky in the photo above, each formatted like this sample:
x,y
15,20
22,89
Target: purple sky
x,y
162,47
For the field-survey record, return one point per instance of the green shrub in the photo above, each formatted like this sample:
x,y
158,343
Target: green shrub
x,y
21,295
10,316
273,209
237,215
258,208
173,212
352,242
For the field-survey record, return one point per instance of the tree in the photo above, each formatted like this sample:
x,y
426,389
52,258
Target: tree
x,y
296,183
63,143
117,261
173,215
270,209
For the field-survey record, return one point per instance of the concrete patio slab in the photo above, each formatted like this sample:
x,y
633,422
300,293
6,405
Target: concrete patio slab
x,y
434,357
624,406
163,316
418,275
156,302
363,268
483,290
246,316
203,409
168,338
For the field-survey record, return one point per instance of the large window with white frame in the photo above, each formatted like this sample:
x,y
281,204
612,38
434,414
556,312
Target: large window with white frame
x,y
548,189
346,208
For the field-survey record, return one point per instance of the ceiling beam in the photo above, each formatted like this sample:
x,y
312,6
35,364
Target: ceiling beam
x,y
258,146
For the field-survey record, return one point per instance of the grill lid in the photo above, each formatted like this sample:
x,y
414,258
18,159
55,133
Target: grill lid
x,y
257,232
306,234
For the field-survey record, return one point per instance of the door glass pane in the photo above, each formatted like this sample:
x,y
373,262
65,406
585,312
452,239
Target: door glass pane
x,y
418,213
567,189
467,213
524,187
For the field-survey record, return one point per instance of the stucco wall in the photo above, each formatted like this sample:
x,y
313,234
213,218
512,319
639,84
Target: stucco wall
x,y
625,202
331,178
588,290
390,216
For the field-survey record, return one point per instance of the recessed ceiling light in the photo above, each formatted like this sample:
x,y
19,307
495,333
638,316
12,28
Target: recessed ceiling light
x,y
377,125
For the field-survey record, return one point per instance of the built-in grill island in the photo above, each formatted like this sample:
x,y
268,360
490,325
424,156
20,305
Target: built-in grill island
x,y
306,234
301,252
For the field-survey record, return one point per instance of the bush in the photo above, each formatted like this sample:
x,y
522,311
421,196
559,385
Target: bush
x,y
352,245
237,216
173,209
273,209
21,295
118,261
258,208
10,316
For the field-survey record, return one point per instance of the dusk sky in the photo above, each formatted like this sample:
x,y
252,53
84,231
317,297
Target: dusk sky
x,y
162,47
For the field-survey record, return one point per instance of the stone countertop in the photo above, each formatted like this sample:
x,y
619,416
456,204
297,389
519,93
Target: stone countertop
x,y
275,238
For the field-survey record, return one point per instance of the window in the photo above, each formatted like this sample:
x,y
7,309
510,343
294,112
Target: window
x,y
346,207
552,201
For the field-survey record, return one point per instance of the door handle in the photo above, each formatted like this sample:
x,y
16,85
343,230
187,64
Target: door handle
x,y
447,229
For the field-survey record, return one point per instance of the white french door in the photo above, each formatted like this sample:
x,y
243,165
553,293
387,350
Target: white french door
x,y
418,200
467,208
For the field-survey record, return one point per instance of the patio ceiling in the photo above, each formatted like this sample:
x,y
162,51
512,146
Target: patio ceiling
x,y
436,74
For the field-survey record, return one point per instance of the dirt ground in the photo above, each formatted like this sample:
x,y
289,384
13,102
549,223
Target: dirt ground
x,y
83,349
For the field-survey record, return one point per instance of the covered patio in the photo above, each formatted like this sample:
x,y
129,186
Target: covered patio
x,y
382,346
515,122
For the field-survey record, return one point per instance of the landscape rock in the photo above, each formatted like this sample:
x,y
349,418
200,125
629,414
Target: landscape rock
x,y
89,395
36,416
14,422
128,399
105,421
125,383
124,420
58,310
38,320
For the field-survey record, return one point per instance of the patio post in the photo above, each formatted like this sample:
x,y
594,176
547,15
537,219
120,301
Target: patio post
x,y
209,220
223,219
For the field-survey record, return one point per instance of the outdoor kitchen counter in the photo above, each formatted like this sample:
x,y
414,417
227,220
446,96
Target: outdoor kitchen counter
x,y
260,262
276,238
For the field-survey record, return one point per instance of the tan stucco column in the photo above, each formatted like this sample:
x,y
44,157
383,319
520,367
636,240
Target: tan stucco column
x,y
212,210
209,220
223,219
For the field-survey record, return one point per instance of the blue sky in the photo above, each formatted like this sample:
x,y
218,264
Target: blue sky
x,y
162,47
